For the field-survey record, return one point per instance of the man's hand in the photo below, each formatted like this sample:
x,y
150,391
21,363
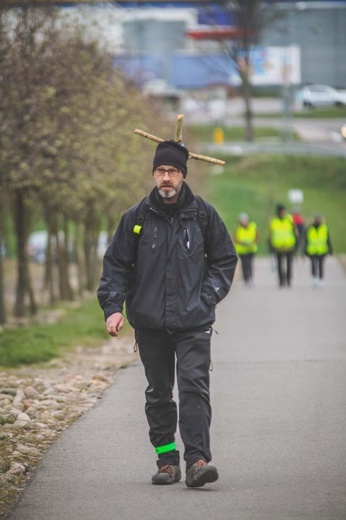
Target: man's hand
x,y
115,323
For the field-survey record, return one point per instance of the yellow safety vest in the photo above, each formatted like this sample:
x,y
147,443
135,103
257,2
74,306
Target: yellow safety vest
x,y
282,236
247,235
317,240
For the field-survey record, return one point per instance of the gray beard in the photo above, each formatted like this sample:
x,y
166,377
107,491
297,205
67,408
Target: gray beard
x,y
169,194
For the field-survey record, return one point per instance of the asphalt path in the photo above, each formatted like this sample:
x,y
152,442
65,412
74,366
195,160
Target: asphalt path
x,y
279,421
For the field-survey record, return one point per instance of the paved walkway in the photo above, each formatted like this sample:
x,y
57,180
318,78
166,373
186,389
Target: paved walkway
x,y
278,432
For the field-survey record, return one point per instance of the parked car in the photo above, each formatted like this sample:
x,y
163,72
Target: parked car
x,y
3,251
37,245
343,131
103,244
312,96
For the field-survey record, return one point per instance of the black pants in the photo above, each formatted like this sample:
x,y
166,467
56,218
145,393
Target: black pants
x,y
317,266
246,265
284,264
190,352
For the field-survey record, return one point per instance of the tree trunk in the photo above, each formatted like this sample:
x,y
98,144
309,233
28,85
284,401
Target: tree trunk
x,y
65,290
49,274
90,254
91,235
2,289
21,218
246,90
80,273
29,287
67,260
49,284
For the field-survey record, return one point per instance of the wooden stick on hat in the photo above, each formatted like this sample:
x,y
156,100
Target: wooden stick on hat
x,y
179,139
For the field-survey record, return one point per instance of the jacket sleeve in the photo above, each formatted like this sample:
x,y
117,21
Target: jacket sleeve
x,y
118,262
222,261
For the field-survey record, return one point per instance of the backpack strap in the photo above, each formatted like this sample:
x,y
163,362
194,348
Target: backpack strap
x,y
140,216
203,218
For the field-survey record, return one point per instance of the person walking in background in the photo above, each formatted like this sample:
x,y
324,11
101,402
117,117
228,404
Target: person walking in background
x,y
172,270
317,246
282,240
299,222
245,238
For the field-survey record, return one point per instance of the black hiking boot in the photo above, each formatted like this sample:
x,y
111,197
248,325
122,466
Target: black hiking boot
x,y
167,474
200,473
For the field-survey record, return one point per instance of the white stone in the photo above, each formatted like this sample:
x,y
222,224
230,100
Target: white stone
x,y
31,393
23,417
28,450
18,398
17,469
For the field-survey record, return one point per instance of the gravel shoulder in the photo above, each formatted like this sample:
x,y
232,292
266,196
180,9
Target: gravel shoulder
x,y
38,403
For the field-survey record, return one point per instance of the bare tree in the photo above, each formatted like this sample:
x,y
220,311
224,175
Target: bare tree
x,y
2,233
252,17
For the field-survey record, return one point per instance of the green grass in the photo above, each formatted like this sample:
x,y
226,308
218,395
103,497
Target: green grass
x,y
205,133
255,184
83,325
311,113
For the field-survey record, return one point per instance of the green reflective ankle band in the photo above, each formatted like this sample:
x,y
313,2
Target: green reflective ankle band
x,y
164,449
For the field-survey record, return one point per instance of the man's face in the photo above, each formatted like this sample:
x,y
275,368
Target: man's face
x,y
168,181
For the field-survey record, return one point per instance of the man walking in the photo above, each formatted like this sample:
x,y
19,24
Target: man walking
x,y
246,238
172,260
317,246
282,237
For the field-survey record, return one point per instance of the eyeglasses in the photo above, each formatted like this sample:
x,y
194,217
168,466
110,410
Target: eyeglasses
x,y
172,172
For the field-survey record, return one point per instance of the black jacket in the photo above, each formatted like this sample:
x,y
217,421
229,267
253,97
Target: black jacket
x,y
171,279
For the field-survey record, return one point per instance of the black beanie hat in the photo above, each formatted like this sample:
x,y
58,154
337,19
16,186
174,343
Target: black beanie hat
x,y
280,207
173,154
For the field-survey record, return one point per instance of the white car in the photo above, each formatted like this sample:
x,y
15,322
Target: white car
x,y
321,95
343,131
37,246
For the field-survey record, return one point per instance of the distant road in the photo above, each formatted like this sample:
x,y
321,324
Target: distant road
x,y
319,136
313,149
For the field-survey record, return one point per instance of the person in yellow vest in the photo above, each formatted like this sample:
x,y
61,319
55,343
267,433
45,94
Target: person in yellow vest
x,y
282,239
317,246
245,238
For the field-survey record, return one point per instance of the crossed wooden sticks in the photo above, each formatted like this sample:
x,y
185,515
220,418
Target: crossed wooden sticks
x,y
179,139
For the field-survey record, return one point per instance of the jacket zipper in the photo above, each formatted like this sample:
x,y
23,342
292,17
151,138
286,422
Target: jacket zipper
x,y
187,240
153,247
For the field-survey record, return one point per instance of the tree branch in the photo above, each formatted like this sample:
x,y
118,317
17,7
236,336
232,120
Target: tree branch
x,y
192,155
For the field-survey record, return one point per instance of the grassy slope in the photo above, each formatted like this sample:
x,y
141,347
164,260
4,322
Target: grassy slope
x,y
236,133
83,325
255,184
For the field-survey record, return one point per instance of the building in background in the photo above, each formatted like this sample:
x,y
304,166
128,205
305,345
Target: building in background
x,y
319,30
178,43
